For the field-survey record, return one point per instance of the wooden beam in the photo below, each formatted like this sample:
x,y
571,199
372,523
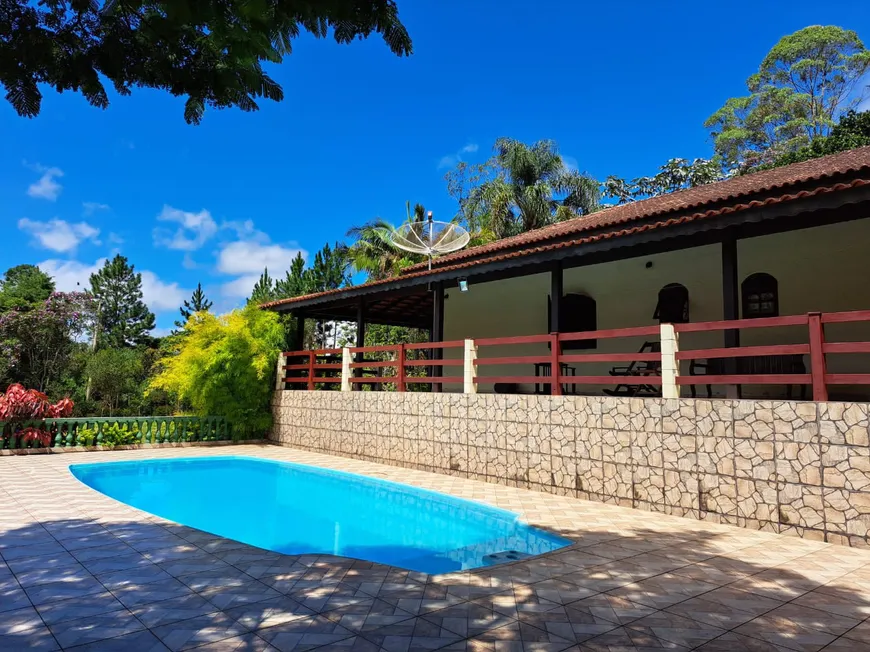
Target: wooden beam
x,y
730,304
298,342
360,333
436,333
556,292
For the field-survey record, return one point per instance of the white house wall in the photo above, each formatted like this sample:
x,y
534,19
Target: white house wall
x,y
822,269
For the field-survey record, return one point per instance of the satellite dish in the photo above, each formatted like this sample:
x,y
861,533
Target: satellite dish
x,y
430,238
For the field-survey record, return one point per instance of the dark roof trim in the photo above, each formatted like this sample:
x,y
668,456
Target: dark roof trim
x,y
824,198
715,195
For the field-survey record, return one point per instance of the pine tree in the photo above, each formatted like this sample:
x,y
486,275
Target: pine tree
x,y
123,318
264,289
296,282
329,272
198,303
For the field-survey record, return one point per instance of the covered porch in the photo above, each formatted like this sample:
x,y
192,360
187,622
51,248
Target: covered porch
x,y
745,272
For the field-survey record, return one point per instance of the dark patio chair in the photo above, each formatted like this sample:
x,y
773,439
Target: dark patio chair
x,y
751,365
638,368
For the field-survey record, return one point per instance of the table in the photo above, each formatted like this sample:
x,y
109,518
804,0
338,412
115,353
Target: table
x,y
545,369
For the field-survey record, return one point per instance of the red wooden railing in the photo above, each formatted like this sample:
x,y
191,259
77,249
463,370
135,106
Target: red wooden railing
x,y
821,348
394,365
556,358
816,348
402,363
312,362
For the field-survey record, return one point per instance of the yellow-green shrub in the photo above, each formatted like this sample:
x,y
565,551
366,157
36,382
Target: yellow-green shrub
x,y
223,365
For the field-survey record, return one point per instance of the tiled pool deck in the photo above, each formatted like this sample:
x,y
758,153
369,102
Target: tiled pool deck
x,y
81,571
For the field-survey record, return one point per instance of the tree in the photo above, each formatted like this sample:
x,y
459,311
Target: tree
x,y
852,131
295,282
803,84
524,187
39,342
211,51
264,289
676,174
373,251
24,287
328,272
198,303
225,366
115,376
123,318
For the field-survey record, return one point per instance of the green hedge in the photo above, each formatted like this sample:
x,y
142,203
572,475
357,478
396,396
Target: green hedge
x,y
118,431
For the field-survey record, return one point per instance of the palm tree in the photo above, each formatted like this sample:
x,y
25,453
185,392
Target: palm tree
x,y
532,187
373,251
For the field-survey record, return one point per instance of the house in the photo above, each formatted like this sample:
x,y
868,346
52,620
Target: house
x,y
788,241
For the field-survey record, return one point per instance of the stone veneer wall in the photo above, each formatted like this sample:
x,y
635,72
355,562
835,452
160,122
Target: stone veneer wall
x,y
798,468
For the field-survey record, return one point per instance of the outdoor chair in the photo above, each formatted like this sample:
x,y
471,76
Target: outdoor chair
x,y
638,368
753,365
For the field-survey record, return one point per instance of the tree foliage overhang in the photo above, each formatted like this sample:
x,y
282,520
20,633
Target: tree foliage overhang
x,y
210,51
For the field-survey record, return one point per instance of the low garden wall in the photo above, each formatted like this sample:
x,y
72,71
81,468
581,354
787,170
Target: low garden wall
x,y
798,468
112,432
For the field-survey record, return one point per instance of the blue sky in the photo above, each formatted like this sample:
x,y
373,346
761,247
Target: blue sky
x,y
620,86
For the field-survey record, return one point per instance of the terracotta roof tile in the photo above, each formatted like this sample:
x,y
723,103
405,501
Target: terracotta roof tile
x,y
730,189
673,209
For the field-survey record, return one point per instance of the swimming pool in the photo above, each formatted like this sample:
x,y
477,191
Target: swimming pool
x,y
296,509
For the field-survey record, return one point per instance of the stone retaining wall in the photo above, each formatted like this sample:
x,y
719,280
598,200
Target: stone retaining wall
x,y
798,468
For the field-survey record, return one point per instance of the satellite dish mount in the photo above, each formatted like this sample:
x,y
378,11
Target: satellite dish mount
x,y
430,238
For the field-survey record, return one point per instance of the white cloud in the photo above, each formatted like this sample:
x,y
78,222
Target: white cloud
x,y
194,231
70,275
241,287
91,207
159,331
246,259
47,186
74,275
59,235
159,295
450,160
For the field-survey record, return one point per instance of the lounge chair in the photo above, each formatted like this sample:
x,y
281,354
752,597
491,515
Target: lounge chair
x,y
638,368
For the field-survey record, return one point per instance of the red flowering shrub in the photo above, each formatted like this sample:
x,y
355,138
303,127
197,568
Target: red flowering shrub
x,y
20,405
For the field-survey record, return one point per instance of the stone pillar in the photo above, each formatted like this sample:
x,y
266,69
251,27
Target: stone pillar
x,y
670,364
470,368
279,372
346,357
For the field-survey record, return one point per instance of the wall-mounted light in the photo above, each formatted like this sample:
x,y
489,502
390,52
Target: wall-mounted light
x,y
463,285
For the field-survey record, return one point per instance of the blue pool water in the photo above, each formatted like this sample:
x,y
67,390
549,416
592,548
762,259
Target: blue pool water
x,y
295,509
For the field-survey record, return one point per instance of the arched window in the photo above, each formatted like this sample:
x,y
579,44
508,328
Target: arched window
x,y
577,313
673,304
760,296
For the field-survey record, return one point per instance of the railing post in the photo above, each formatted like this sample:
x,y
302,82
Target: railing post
x,y
469,368
400,372
817,356
279,373
346,358
555,367
670,366
311,358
